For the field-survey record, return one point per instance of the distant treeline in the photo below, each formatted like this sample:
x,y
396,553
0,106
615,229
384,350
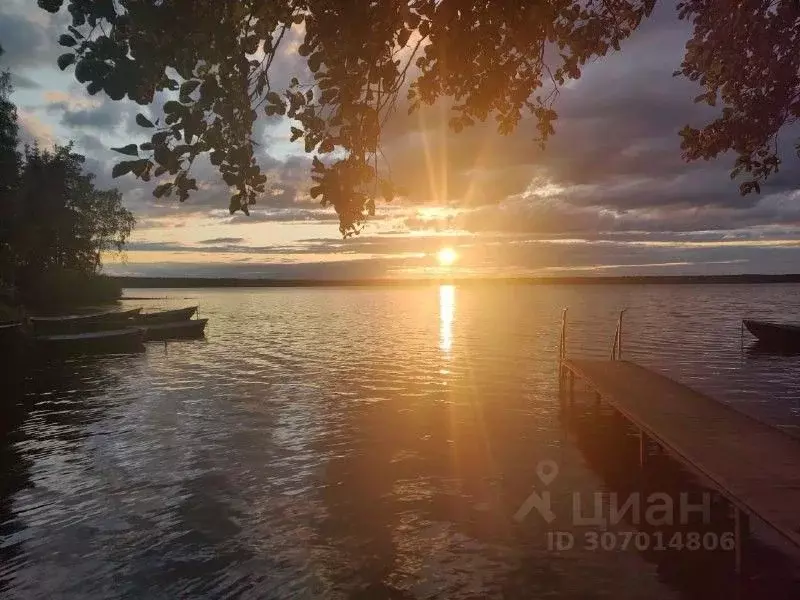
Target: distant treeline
x,y
209,282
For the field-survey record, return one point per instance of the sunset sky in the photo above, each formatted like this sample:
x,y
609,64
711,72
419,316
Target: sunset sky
x,y
610,194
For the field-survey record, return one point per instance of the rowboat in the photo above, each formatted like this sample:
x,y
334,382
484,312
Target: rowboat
x,y
774,335
177,330
166,316
761,350
11,327
115,341
80,323
10,335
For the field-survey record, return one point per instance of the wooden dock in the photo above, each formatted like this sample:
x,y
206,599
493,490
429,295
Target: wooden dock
x,y
755,466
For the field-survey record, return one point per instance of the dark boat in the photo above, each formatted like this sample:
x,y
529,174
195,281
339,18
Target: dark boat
x,y
166,316
115,341
774,335
82,323
177,330
762,350
11,334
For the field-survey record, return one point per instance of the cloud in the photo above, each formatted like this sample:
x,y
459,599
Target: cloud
x,y
222,240
90,143
613,169
105,116
21,82
24,41
614,164
34,131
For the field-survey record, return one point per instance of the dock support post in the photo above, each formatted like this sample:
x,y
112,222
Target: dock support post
x,y
741,527
571,388
562,349
616,347
642,448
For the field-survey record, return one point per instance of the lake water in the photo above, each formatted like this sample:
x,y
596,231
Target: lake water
x,y
370,443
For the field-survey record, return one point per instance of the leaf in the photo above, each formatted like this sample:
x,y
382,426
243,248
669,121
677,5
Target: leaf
x,y
67,40
139,167
129,150
387,190
65,60
121,169
188,87
315,61
296,133
143,121
402,37
162,189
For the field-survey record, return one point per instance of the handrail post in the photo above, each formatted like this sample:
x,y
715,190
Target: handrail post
x,y
616,347
562,347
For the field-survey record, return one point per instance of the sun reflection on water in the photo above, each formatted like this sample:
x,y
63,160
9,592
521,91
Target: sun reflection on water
x,y
447,309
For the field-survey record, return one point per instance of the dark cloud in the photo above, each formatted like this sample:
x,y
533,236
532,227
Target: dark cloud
x,y
615,161
21,82
105,117
24,41
90,143
222,240
613,168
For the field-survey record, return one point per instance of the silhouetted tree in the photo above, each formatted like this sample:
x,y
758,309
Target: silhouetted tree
x,y
63,222
497,59
9,175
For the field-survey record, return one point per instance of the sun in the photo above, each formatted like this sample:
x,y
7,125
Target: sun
x,y
446,257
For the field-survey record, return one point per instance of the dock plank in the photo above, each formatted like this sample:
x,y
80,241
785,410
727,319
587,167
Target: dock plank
x,y
756,466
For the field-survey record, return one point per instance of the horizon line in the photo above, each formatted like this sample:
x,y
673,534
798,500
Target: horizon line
x,y
201,282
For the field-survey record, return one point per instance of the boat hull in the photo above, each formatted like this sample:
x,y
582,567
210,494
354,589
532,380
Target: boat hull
x,y
12,339
191,329
102,342
774,335
166,316
82,323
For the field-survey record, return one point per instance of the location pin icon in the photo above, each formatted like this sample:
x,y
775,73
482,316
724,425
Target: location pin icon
x,y
547,471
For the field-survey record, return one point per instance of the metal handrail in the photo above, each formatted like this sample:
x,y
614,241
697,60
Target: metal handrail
x,y
616,347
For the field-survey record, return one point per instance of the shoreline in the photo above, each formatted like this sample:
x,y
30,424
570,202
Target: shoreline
x,y
226,282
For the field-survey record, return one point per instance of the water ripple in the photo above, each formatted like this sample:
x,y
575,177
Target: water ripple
x,y
347,443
